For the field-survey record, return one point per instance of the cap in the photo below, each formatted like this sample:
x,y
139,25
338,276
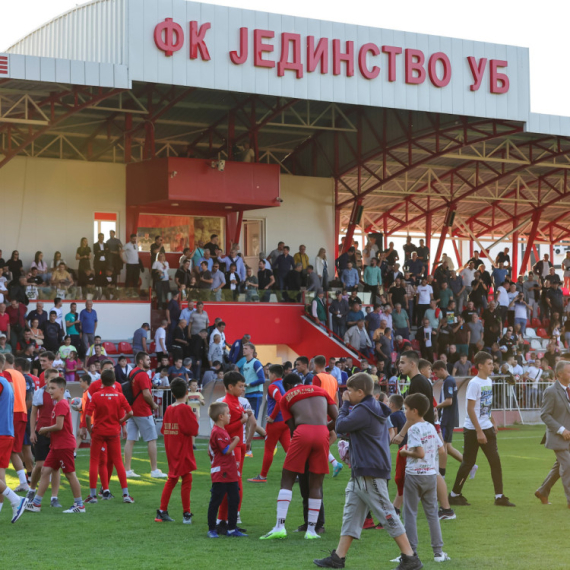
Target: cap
x,y
2,335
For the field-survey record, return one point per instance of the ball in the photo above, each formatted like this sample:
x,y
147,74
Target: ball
x,y
76,404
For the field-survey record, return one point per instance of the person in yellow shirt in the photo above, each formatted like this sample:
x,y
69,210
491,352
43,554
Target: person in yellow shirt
x,y
302,257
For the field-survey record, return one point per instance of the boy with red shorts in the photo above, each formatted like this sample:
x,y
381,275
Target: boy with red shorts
x,y
277,429
179,427
305,410
61,451
6,445
111,410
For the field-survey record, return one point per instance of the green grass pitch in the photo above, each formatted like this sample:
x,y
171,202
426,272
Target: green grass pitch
x,y
121,536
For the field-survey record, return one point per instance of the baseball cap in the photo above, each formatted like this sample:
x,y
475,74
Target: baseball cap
x,y
2,335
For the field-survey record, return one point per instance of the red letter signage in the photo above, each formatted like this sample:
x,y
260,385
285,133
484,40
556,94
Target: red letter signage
x,y
477,71
415,72
499,81
168,36
259,47
241,57
446,77
197,41
368,73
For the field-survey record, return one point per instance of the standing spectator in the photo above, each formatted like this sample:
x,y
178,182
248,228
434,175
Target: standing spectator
x,y
500,275
520,311
339,310
197,255
251,285
424,297
398,294
542,267
566,267
350,278
134,265
502,299
426,336
265,281
15,265
39,314
319,308
140,339
555,298
41,266
218,282
4,321
321,268
401,322
88,321
83,255
476,330
217,350
313,281
199,320
372,279
212,246
183,277
161,279
160,340
236,350
53,334
115,249
17,323
283,265
423,256
252,370
503,259
156,248
101,257
301,257
272,257
343,259
205,282
72,324
467,274
414,265
294,283
357,337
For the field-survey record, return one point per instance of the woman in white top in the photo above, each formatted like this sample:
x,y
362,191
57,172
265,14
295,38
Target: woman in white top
x,y
321,267
161,279
41,266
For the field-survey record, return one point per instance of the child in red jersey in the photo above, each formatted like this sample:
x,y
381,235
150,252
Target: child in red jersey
x,y
179,428
111,410
224,470
61,451
81,435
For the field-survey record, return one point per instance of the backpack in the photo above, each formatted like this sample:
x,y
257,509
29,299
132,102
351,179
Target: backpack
x,y
128,387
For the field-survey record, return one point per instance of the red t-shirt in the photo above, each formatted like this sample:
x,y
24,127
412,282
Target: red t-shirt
x,y
97,385
109,406
36,381
224,466
178,426
63,439
41,381
44,411
141,382
235,427
301,393
4,322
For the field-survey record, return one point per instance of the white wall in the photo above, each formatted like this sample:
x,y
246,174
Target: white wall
x,y
48,205
306,216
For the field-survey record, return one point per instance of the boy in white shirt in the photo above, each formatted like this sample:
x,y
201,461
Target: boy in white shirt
x,y
480,431
422,464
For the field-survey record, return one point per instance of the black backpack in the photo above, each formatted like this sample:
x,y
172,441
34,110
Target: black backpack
x,y
128,387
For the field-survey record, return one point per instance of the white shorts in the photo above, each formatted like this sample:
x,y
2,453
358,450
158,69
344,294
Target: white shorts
x,y
141,427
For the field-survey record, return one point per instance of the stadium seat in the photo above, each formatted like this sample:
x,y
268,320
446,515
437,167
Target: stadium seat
x,y
536,323
415,344
110,348
394,357
535,344
540,355
527,356
125,348
530,333
545,322
541,333
545,343
152,347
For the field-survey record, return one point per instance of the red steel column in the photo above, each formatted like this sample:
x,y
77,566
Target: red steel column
x,y
457,254
530,242
439,247
515,260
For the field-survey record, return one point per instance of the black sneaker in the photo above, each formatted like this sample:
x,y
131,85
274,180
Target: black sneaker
x,y
162,516
459,501
187,518
446,514
504,502
240,529
332,561
222,528
302,528
107,496
409,562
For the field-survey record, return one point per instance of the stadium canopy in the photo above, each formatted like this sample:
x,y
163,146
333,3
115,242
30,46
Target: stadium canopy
x,y
421,134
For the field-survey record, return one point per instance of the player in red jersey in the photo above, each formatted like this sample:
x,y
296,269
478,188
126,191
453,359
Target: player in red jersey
x,y
61,451
277,429
224,470
20,417
46,359
179,427
112,411
105,462
305,410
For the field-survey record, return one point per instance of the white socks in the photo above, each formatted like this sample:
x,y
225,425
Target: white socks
x,y
313,514
332,459
22,476
11,496
283,502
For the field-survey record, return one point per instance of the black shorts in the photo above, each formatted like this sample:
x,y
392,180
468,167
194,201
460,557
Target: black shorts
x,y
27,434
41,448
447,433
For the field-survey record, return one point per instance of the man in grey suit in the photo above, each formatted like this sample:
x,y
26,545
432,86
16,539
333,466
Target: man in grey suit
x,y
556,415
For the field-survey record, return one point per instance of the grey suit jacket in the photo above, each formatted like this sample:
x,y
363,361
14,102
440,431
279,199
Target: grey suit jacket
x,y
555,413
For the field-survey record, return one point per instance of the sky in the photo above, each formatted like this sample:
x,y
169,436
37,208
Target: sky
x,y
540,26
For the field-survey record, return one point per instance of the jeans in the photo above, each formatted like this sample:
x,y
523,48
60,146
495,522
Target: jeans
x,y
470,450
255,402
338,327
522,323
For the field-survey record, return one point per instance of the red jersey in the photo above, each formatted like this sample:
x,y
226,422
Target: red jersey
x,y
109,406
178,426
235,427
63,439
42,400
224,465
4,322
140,382
41,381
97,385
36,381
301,393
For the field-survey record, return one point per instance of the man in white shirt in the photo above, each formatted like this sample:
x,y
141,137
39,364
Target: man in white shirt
x,y
132,261
502,298
424,296
480,431
468,275
160,340
533,375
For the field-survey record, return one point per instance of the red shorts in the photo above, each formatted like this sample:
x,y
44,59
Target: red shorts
x,y
437,428
19,433
6,446
400,475
61,459
309,443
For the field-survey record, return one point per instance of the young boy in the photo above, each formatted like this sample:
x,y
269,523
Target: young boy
x,y
368,486
398,420
92,371
224,471
84,382
195,400
179,428
62,448
422,463
111,410
480,431
178,371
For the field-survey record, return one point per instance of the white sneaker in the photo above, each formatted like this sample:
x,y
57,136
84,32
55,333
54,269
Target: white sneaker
x,y
157,474
75,509
21,488
18,510
32,508
239,519
131,473
399,559
441,558
473,471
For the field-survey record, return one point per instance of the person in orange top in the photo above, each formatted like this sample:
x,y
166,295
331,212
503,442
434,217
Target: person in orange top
x,y
18,383
179,427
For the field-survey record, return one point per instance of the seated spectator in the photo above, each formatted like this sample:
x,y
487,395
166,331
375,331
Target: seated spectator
x,y
4,347
212,374
122,369
87,282
61,279
98,356
96,342
357,337
15,265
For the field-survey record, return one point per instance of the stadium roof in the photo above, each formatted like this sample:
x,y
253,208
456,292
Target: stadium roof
x,y
91,85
